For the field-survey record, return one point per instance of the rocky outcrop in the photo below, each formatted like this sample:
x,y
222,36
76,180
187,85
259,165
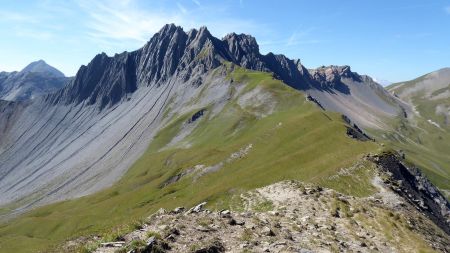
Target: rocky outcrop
x,y
331,75
330,78
354,131
412,185
196,116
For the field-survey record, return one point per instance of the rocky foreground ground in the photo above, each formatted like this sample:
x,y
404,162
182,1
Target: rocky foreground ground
x,y
288,217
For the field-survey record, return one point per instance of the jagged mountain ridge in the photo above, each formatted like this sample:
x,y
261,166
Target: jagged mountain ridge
x,y
171,51
174,52
87,134
36,79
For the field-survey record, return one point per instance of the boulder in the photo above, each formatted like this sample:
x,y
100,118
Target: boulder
x,y
214,247
225,214
197,209
267,231
178,210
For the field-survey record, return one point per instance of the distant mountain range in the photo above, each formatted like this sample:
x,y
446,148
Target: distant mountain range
x,y
383,82
36,79
190,117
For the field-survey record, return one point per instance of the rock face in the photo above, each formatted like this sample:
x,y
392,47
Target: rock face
x,y
36,79
171,51
330,77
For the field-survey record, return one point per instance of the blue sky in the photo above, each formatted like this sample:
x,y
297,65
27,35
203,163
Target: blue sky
x,y
392,40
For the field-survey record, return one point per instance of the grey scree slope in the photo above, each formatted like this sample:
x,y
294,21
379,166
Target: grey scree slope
x,y
85,136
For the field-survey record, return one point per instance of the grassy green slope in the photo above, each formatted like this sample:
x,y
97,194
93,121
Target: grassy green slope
x,y
297,141
424,144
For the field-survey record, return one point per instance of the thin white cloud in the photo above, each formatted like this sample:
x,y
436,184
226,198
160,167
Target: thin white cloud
x,y
296,38
9,16
30,33
112,22
197,2
301,37
123,21
29,25
182,8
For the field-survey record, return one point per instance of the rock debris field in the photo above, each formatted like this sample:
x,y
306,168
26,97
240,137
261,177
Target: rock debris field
x,y
288,216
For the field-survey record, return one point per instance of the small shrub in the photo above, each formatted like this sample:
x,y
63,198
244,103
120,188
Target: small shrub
x,y
137,224
153,233
136,244
114,235
204,222
88,248
247,235
194,247
264,206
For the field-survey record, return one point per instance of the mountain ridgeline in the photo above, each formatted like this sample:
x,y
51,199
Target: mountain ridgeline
x,y
173,52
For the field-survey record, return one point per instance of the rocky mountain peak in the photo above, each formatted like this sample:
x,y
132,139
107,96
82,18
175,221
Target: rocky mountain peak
x,y
243,49
168,30
37,78
41,66
330,76
244,42
196,39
